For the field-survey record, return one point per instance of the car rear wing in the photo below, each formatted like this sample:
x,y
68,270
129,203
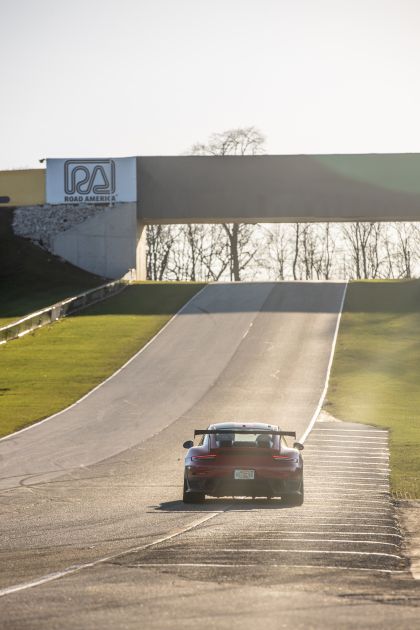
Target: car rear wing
x,y
246,431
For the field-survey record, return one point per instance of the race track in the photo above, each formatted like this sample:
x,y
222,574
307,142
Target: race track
x,y
93,532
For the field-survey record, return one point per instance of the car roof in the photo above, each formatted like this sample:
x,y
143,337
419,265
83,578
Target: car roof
x,y
258,426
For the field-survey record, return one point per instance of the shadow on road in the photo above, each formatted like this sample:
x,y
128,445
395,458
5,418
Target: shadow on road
x,y
214,505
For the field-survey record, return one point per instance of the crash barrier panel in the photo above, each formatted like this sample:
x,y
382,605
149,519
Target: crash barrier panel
x,y
60,309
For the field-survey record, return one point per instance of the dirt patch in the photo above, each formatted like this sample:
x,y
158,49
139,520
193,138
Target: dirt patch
x,y
325,416
409,517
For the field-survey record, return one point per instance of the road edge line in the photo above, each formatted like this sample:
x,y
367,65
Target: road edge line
x,y
51,577
327,377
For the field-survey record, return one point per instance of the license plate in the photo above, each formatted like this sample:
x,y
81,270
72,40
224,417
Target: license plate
x,y
244,474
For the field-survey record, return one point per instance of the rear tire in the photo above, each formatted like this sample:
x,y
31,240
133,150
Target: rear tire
x,y
192,497
294,500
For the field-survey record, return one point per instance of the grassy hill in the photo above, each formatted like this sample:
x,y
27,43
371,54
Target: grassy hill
x,y
31,278
53,367
376,371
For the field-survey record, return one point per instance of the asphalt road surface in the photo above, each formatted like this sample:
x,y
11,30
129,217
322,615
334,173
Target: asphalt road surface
x,y
94,534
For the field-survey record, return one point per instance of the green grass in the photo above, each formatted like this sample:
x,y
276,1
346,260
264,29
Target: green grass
x,y
53,367
375,377
32,278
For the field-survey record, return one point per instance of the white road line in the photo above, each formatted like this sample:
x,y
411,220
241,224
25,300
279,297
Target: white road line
x,y
344,449
362,431
338,468
214,565
359,465
312,445
50,577
354,458
279,532
382,476
352,484
327,377
346,440
348,518
320,551
350,509
347,471
331,492
322,456
344,541
350,505
312,455
330,496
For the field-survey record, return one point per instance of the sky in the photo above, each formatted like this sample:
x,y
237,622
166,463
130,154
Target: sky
x,y
109,78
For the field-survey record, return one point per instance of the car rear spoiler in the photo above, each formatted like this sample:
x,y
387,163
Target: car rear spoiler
x,y
246,431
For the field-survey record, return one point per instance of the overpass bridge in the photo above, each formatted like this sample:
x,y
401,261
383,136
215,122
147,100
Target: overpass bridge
x,y
130,193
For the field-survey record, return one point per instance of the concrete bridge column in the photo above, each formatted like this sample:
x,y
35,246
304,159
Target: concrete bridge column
x,y
141,268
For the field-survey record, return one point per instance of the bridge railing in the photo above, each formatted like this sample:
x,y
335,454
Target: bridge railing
x,y
60,309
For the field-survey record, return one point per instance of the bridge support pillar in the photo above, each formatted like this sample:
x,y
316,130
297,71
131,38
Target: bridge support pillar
x,y
141,268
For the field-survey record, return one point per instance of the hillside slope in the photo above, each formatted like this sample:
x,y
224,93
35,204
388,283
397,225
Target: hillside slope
x,y
31,278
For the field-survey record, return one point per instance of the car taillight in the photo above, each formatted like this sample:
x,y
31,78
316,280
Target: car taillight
x,y
289,457
201,457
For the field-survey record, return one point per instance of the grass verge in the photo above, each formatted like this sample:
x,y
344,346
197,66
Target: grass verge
x,y
32,278
376,371
49,369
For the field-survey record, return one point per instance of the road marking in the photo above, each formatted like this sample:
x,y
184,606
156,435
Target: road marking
x,y
383,476
75,568
279,531
311,499
362,509
348,471
320,551
353,484
330,519
323,540
347,439
344,449
326,511
333,493
361,431
354,458
247,330
264,566
327,377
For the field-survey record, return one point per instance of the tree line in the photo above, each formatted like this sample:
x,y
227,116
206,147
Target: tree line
x,y
298,251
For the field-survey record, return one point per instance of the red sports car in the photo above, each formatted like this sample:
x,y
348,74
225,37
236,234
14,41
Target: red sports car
x,y
251,459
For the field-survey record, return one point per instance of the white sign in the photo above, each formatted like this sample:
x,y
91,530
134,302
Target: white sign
x,y
102,180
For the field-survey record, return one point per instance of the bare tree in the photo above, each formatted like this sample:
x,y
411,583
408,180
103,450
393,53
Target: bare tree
x,y
215,252
296,251
364,241
160,241
275,253
240,141
406,254
328,246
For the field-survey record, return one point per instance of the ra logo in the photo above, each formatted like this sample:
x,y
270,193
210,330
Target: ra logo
x,y
85,177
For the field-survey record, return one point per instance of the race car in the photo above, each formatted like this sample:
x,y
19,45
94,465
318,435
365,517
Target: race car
x,y
243,459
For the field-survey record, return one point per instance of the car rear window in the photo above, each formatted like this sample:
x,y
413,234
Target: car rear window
x,y
242,440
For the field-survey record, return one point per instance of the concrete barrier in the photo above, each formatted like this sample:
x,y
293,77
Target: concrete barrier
x,y
60,309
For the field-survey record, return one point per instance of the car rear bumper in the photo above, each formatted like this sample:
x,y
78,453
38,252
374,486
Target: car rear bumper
x,y
227,486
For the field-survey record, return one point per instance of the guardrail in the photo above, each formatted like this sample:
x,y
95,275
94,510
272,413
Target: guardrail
x,y
60,309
